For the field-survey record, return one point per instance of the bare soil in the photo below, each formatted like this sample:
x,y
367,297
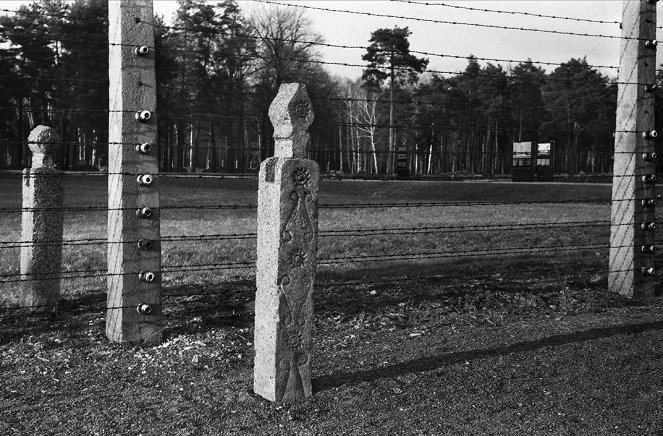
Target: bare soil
x,y
509,355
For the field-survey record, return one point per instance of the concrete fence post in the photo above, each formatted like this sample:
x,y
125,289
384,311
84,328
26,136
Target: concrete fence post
x,y
134,250
41,233
633,221
287,239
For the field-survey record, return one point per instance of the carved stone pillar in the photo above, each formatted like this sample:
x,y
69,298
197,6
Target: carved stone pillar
x,y
287,242
41,251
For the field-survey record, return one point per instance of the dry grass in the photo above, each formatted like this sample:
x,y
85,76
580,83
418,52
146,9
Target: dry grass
x,y
209,192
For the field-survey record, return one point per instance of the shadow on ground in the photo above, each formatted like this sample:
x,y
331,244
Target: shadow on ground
x,y
369,290
430,363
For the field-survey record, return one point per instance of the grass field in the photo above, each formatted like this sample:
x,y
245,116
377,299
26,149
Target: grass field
x,y
465,343
452,243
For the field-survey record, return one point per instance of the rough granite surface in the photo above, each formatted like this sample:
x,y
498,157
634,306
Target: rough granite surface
x,y
42,223
286,263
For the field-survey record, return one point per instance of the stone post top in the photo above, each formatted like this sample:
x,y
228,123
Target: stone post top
x,y
44,142
291,114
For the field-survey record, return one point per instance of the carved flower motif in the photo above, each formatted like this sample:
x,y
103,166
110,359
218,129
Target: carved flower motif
x,y
294,341
301,176
301,109
298,258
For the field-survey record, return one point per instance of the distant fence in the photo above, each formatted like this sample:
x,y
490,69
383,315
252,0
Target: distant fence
x,y
287,209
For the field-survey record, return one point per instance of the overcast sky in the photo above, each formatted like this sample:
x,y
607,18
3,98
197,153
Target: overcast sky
x,y
460,40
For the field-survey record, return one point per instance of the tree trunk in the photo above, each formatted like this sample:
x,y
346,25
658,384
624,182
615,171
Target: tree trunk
x,y
62,133
213,150
390,154
340,144
168,164
484,152
496,157
453,151
180,149
575,152
21,136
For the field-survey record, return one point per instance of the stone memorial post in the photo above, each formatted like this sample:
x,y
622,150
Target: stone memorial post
x,y
41,251
287,239
134,252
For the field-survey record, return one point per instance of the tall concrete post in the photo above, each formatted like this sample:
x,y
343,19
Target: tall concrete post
x,y
134,251
633,222
41,254
287,239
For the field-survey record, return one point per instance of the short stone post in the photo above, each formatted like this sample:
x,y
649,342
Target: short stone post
x,y
134,253
41,252
287,239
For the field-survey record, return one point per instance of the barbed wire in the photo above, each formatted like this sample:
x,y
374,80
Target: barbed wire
x,y
426,143
324,176
415,127
55,79
247,118
254,55
91,273
38,14
308,60
328,233
324,206
85,40
98,273
529,14
345,46
411,149
169,114
500,275
445,103
423,255
436,21
360,47
387,205
105,208
174,175
461,253
69,306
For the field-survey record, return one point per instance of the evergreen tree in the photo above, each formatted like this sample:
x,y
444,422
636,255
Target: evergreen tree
x,y
390,50
582,108
528,107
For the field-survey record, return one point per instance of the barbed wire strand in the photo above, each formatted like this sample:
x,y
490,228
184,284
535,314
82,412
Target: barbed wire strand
x,y
208,31
329,233
575,273
580,271
75,274
324,206
63,306
600,80
437,21
529,14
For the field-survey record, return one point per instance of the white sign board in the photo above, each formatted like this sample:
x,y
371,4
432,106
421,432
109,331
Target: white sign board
x,y
522,150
